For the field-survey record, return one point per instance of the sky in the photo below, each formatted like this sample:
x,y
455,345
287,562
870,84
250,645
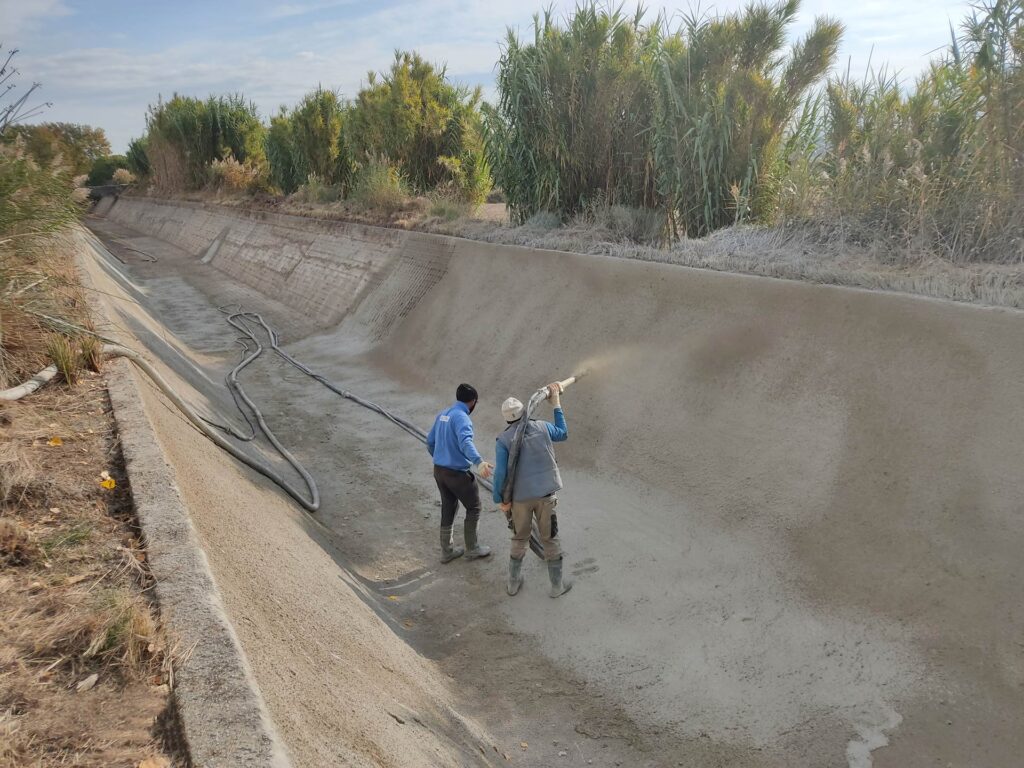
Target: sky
x,y
102,62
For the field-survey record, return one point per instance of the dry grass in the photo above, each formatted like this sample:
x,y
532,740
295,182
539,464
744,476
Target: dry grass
x,y
73,578
78,602
16,544
123,176
74,592
82,628
17,475
446,208
38,282
62,352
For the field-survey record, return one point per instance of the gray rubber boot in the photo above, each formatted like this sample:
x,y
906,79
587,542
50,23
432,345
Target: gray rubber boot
x,y
515,575
448,550
558,587
474,549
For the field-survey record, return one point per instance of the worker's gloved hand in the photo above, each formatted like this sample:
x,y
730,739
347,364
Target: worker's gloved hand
x,y
484,469
554,394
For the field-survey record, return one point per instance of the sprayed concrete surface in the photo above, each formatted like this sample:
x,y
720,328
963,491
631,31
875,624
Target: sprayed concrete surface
x,y
793,512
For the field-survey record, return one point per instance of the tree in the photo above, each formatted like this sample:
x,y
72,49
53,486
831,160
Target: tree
x,y
102,171
429,128
77,146
315,127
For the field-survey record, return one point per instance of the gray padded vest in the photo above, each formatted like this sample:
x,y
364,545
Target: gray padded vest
x,y
537,473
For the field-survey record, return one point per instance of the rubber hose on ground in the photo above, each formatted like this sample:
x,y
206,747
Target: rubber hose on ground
x,y
311,504
239,319
28,387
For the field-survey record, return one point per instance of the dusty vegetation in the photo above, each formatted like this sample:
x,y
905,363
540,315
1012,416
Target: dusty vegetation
x,y
84,665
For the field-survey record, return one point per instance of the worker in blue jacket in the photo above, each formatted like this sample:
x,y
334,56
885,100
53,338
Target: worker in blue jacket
x,y
450,442
534,486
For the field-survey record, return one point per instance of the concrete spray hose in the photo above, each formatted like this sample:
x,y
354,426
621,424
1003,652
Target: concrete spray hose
x,y
252,349
240,321
207,428
113,349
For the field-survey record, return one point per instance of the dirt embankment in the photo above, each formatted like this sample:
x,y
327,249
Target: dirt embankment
x,y
85,666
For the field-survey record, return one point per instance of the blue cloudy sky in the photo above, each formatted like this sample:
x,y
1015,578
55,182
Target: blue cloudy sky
x,y
101,62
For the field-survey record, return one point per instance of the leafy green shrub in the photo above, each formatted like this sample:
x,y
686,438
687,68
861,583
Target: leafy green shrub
x,y
102,171
138,162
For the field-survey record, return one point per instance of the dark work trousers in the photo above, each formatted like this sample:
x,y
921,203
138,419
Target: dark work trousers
x,y
455,487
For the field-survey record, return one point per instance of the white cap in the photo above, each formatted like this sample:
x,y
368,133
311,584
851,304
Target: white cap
x,y
511,409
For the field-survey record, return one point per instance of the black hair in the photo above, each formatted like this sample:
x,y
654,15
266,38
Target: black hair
x,y
465,393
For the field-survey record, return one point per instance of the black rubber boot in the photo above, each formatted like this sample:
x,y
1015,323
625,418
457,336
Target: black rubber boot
x,y
448,550
558,587
474,549
515,575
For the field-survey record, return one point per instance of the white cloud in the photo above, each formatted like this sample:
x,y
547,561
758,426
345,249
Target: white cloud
x,y
18,16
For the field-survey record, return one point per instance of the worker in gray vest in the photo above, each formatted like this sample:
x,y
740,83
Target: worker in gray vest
x,y
534,486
